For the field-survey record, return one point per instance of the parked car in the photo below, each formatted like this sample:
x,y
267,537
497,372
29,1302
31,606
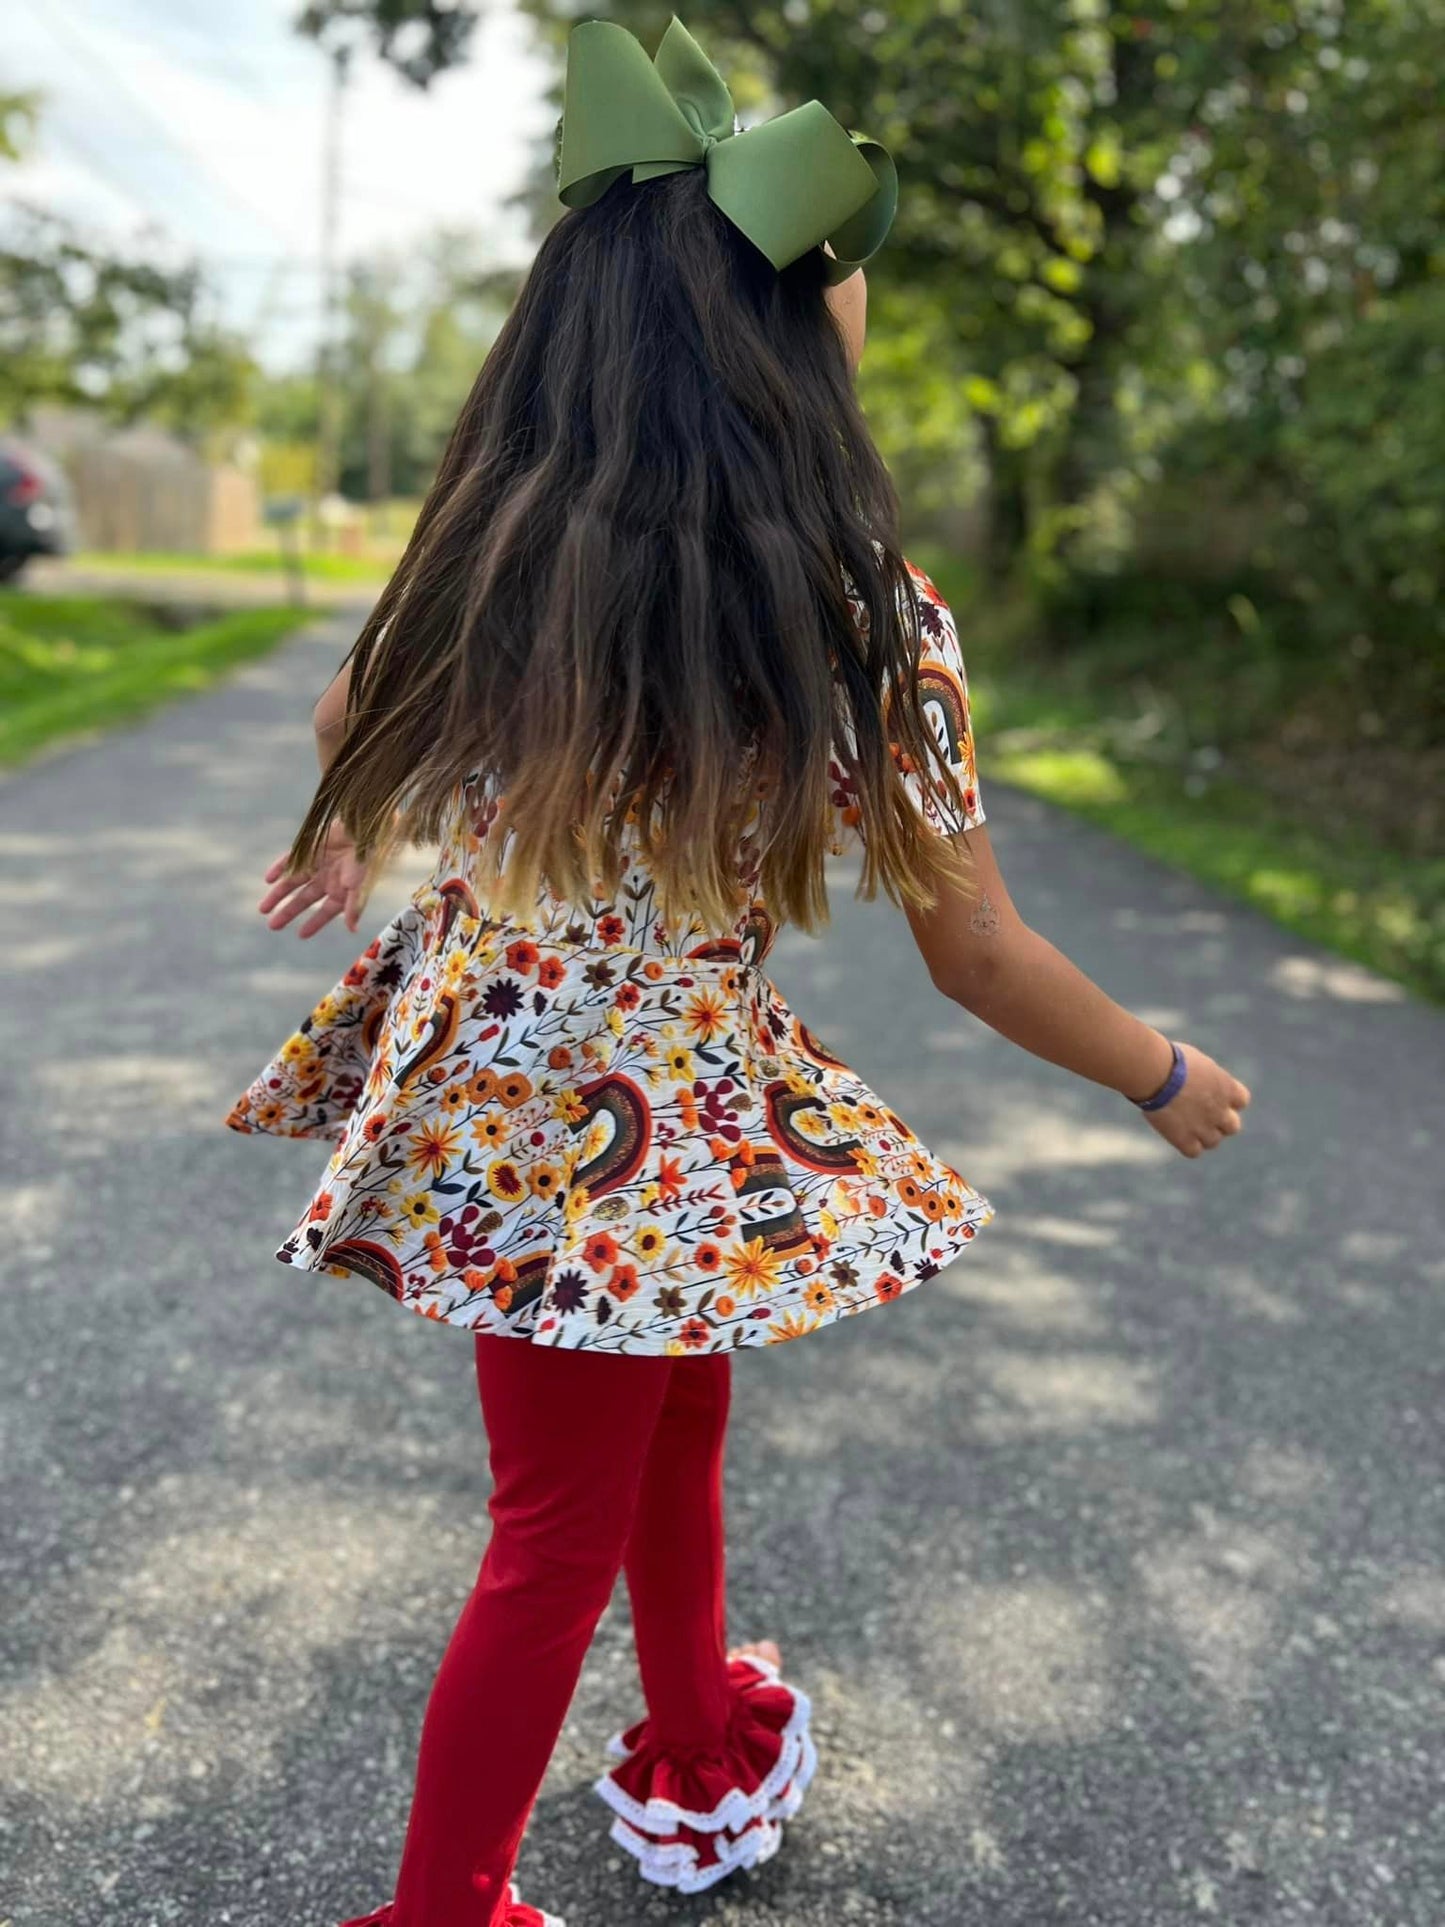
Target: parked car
x,y
36,515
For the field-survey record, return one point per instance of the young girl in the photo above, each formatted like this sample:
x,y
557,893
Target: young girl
x,y
651,655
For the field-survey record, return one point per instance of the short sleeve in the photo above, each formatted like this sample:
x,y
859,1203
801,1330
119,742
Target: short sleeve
x,y
943,690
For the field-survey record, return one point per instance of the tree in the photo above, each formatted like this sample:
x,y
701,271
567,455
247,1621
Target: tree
x,y
85,326
1132,239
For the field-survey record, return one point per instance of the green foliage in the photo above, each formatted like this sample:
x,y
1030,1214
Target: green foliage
x,y
85,326
74,663
1329,881
415,332
1170,279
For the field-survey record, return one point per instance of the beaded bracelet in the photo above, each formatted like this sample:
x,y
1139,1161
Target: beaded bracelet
x,y
1170,1088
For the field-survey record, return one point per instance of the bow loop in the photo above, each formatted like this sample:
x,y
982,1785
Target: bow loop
x,y
790,184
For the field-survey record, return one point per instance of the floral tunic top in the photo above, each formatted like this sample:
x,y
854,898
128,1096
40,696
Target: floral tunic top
x,y
594,1128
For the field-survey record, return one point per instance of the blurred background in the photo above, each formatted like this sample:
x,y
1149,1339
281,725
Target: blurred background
x,y
1156,358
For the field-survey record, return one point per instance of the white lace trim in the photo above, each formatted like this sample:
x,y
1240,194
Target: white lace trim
x,y
675,1863
515,1899
746,1826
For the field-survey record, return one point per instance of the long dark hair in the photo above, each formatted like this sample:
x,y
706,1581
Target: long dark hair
x,y
626,596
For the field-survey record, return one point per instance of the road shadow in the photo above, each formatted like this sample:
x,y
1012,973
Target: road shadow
x,y
1113,1559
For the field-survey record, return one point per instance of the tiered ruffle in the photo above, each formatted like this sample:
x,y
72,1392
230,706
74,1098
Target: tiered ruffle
x,y
691,1819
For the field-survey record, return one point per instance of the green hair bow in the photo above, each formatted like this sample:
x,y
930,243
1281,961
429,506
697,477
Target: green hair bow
x,y
789,185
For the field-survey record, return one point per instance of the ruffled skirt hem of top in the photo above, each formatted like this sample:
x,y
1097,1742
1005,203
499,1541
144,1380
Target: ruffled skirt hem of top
x,y
597,1147
690,1819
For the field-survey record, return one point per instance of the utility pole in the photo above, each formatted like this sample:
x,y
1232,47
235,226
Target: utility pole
x,y
328,396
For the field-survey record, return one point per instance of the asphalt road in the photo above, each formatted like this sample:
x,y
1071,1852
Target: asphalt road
x,y
1114,1559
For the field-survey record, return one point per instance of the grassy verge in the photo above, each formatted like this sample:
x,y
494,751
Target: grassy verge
x,y
324,568
75,663
1332,883
1129,737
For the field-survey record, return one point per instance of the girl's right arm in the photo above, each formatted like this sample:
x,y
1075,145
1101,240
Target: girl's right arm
x,y
337,886
982,955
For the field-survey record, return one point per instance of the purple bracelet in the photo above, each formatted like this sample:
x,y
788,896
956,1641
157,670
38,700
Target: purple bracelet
x,y
1170,1088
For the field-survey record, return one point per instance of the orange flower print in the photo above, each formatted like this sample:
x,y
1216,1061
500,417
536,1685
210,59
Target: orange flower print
x,y
513,1089
707,1015
521,957
910,1191
491,1130
752,1269
725,1306
320,1208
706,1256
483,1087
623,1282
610,929
505,1180
436,1251
886,1286
374,1127
600,1251
559,1057
434,1148
792,1325
551,972
694,1333
628,996
269,1116
669,1179
817,1297
932,1205
544,1180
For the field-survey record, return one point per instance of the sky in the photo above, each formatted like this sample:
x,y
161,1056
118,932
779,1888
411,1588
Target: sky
x,y
199,125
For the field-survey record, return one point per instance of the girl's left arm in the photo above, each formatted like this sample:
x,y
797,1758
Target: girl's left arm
x,y
982,955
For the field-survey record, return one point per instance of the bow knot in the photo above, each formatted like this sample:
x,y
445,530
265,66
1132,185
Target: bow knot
x,y
789,185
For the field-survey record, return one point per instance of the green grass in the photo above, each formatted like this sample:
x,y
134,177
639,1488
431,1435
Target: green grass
x,y
1333,884
74,663
323,568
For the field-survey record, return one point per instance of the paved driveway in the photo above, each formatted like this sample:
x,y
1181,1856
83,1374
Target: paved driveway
x,y
1114,1560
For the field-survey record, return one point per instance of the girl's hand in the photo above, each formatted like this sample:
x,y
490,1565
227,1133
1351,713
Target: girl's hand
x,y
1206,1111
337,887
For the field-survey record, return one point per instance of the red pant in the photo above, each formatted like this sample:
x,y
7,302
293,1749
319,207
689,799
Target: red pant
x,y
597,1464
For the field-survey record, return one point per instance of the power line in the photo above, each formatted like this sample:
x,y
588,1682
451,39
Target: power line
x,y
115,83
